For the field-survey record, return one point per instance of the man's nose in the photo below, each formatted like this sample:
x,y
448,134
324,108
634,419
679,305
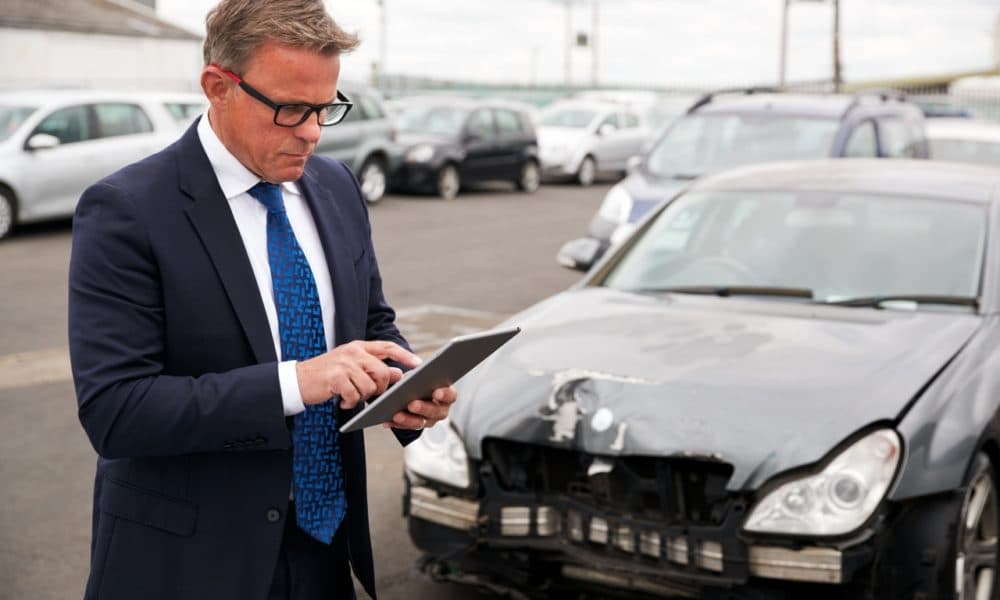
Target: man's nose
x,y
309,130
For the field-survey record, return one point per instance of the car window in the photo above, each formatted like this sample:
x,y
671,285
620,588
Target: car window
x,y
967,151
612,119
897,142
434,120
862,142
574,118
182,112
839,245
115,119
370,107
70,125
631,120
507,122
481,124
11,119
701,143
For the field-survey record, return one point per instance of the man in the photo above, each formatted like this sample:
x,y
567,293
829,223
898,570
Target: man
x,y
222,292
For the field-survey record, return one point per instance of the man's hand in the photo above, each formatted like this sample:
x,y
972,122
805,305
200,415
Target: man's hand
x,y
353,371
420,414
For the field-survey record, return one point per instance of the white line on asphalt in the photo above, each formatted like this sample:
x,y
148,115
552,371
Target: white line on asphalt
x,y
37,367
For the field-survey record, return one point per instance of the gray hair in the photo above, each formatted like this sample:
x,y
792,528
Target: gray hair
x,y
237,28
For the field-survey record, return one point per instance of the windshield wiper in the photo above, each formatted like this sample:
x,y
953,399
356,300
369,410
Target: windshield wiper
x,y
685,176
735,290
878,301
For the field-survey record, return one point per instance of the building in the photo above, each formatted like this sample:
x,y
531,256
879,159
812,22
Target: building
x,y
116,44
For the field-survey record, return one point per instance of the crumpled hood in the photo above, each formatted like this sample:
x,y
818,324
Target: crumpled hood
x,y
762,385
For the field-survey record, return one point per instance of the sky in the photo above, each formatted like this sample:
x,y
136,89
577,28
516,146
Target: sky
x,y
656,43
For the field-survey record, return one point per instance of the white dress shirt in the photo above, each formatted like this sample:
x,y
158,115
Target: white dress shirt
x,y
251,219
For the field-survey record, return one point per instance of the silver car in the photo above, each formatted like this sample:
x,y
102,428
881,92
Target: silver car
x,y
54,143
965,140
579,138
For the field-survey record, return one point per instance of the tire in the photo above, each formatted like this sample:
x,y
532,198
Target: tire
x,y
587,171
448,182
374,179
976,534
530,177
8,212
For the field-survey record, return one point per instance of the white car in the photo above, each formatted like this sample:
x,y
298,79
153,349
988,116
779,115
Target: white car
x,y
579,138
964,140
55,143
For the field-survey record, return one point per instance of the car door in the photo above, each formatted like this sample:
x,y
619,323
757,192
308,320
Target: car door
x,y
480,145
55,177
604,147
511,142
862,142
896,139
125,134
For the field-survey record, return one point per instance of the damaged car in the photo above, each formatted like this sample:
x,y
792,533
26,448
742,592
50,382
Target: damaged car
x,y
785,384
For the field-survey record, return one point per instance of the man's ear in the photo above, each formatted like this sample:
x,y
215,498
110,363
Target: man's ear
x,y
216,86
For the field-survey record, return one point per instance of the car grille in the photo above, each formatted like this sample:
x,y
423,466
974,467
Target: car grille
x,y
668,490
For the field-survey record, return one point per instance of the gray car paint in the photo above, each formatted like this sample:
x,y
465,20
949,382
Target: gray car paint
x,y
764,385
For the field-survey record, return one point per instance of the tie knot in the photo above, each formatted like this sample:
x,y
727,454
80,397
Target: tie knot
x,y
269,194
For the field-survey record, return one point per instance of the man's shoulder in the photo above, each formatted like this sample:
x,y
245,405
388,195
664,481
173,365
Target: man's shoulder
x,y
328,170
151,173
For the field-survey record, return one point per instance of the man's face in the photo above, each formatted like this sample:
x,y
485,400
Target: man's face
x,y
286,75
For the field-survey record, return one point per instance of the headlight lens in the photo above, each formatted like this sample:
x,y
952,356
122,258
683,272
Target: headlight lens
x,y
837,500
420,153
439,454
617,205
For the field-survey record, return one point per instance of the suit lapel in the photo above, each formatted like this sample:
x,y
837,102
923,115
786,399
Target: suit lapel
x,y
330,225
213,220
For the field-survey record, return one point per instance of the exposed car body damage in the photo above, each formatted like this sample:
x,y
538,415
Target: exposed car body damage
x,y
695,362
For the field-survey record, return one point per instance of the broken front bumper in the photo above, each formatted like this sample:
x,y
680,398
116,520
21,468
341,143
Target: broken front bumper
x,y
612,550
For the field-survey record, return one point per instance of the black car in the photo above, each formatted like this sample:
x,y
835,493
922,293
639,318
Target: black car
x,y
726,130
784,385
450,143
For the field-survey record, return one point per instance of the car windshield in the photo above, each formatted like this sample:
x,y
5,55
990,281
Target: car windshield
x,y
11,118
574,118
830,247
967,151
698,144
435,120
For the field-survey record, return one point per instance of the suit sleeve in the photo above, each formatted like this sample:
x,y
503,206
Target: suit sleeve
x,y
381,319
127,404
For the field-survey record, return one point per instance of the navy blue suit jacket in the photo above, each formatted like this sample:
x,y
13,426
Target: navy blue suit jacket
x,y
177,382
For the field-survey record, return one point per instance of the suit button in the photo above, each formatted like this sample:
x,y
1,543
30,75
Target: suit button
x,y
273,515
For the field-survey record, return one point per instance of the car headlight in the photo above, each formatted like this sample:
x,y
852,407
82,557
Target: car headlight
x,y
617,205
420,153
838,499
439,454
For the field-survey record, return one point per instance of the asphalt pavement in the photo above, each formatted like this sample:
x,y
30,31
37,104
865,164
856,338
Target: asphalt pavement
x,y
449,267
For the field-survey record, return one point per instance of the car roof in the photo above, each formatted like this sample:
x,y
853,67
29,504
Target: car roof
x,y
966,182
832,106
979,130
585,104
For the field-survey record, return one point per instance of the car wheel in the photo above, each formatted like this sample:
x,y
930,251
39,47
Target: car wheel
x,y
448,182
7,211
530,177
588,169
976,535
373,179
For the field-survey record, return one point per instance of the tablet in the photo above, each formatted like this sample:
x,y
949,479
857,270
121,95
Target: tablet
x,y
444,368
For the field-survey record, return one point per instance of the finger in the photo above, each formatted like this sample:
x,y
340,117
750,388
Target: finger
x,y
430,410
363,382
444,396
407,420
395,374
392,351
349,395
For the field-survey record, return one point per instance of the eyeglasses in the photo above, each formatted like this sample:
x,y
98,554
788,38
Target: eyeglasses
x,y
293,115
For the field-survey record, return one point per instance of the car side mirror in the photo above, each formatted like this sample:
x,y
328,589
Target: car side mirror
x,y
42,141
606,129
632,164
579,254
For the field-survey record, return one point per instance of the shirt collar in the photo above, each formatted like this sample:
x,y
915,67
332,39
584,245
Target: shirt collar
x,y
234,178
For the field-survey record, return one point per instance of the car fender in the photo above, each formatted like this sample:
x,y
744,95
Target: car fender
x,y
955,416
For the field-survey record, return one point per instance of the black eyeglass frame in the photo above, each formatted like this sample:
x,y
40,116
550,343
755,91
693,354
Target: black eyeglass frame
x,y
342,101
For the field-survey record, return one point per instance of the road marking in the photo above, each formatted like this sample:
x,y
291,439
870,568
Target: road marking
x,y
426,327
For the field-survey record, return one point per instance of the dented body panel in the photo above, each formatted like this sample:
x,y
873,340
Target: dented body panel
x,y
765,386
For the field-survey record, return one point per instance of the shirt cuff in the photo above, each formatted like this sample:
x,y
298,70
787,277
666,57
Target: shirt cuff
x,y
291,396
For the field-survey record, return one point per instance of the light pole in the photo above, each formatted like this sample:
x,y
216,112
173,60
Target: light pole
x,y
784,43
783,49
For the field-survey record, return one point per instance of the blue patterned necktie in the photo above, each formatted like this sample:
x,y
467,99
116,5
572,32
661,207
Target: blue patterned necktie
x,y
320,501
